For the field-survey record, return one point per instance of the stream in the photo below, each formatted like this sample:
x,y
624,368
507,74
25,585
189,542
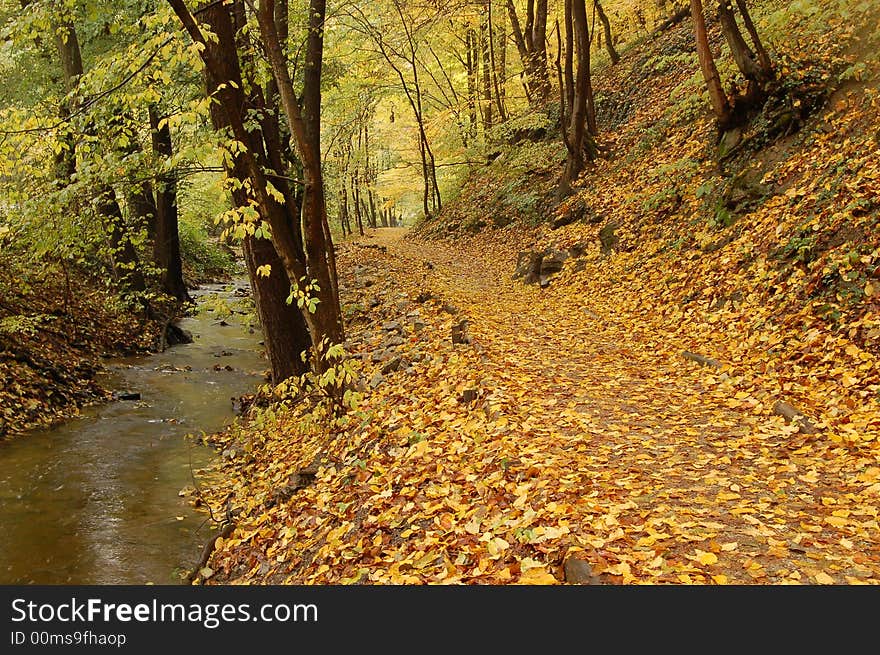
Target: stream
x,y
95,500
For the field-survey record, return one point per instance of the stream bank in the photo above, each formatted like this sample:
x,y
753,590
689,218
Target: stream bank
x,y
95,500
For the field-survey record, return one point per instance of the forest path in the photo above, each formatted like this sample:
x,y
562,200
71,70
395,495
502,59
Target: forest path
x,y
655,475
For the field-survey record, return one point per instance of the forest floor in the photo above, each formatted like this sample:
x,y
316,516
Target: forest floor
x,y
556,430
565,424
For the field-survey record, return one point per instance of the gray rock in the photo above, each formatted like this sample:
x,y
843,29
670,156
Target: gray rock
x,y
376,380
578,571
392,365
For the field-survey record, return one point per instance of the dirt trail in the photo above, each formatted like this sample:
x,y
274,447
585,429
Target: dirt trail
x,y
659,478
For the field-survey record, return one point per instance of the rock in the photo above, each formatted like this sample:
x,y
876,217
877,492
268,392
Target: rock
x,y
429,265
374,302
392,326
175,335
459,332
552,262
424,297
730,140
528,266
390,342
376,380
468,396
578,571
608,238
392,365
577,249
574,212
128,395
450,309
544,282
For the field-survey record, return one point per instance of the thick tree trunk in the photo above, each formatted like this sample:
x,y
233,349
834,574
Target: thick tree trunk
x,y
166,247
284,332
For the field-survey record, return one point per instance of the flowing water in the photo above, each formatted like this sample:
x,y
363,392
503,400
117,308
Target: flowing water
x,y
95,500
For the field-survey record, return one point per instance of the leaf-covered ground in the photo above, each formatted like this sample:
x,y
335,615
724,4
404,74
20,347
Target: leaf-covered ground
x,y
585,434
568,424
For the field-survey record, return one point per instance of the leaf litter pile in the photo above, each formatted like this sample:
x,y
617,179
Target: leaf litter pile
x,y
506,429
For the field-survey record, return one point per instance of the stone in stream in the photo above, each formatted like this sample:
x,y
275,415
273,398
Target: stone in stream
x,y
128,395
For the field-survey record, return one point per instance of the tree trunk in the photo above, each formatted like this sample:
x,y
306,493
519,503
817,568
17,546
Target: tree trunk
x,y
606,26
742,55
285,330
531,43
577,121
720,104
486,52
472,77
166,247
123,256
763,56
494,63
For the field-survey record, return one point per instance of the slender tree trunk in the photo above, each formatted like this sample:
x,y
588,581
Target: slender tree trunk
x,y
720,104
472,73
166,247
606,26
486,52
493,63
763,56
568,73
577,123
742,55
356,200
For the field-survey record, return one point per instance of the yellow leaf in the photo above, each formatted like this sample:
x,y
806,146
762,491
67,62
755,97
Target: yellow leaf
x,y
824,578
706,558
720,579
537,576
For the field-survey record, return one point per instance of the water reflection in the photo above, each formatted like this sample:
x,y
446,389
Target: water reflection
x,y
95,500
